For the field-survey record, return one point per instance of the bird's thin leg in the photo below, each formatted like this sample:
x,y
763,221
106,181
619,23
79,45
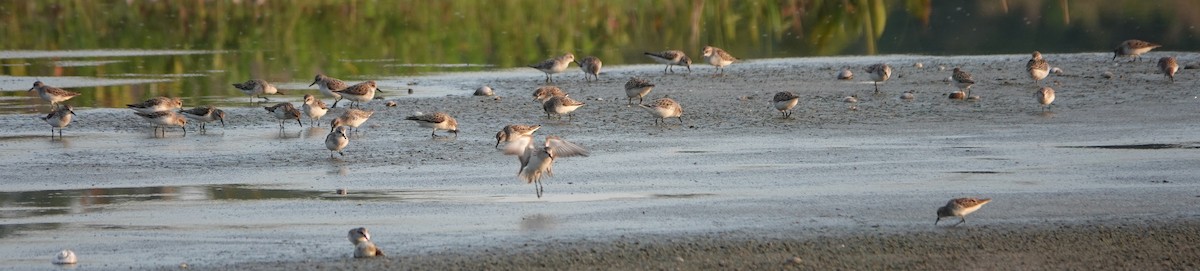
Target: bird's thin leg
x,y
964,220
681,120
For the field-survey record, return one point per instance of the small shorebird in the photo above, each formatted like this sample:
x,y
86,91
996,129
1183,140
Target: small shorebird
x,y
363,247
538,162
204,114
957,95
879,73
543,93
846,74
664,108
962,80
284,111
1045,96
59,118
1168,67
162,119
514,131
485,90
671,58
1133,49
314,108
256,88
637,88
52,94
437,121
555,65
560,105
591,67
718,58
157,104
328,85
1037,67
784,101
359,93
336,141
352,118
64,257
960,208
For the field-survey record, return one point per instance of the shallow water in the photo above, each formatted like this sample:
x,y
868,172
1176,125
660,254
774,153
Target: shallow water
x,y
135,50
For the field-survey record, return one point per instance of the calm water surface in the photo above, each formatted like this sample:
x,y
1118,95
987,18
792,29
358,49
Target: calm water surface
x,y
119,52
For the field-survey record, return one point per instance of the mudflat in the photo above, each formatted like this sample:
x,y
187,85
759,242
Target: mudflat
x,y
1104,179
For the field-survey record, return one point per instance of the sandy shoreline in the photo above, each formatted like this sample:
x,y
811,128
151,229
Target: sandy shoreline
x,y
250,195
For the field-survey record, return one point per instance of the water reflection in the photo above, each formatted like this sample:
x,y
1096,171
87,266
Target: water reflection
x,y
60,202
538,222
202,46
340,167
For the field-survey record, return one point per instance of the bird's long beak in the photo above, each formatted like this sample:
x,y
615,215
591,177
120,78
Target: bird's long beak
x,y
314,83
279,92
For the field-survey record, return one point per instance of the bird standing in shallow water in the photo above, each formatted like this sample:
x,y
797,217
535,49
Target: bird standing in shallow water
x,y
437,121
879,73
352,118
60,118
337,140
718,58
52,94
962,80
1168,66
162,119
314,108
1037,67
664,108
1045,96
1133,49
538,161
359,93
591,68
555,65
204,114
284,111
671,58
784,101
560,105
960,207
637,88
328,85
257,87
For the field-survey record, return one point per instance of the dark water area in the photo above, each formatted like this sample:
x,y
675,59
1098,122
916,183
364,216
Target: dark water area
x,y
119,52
